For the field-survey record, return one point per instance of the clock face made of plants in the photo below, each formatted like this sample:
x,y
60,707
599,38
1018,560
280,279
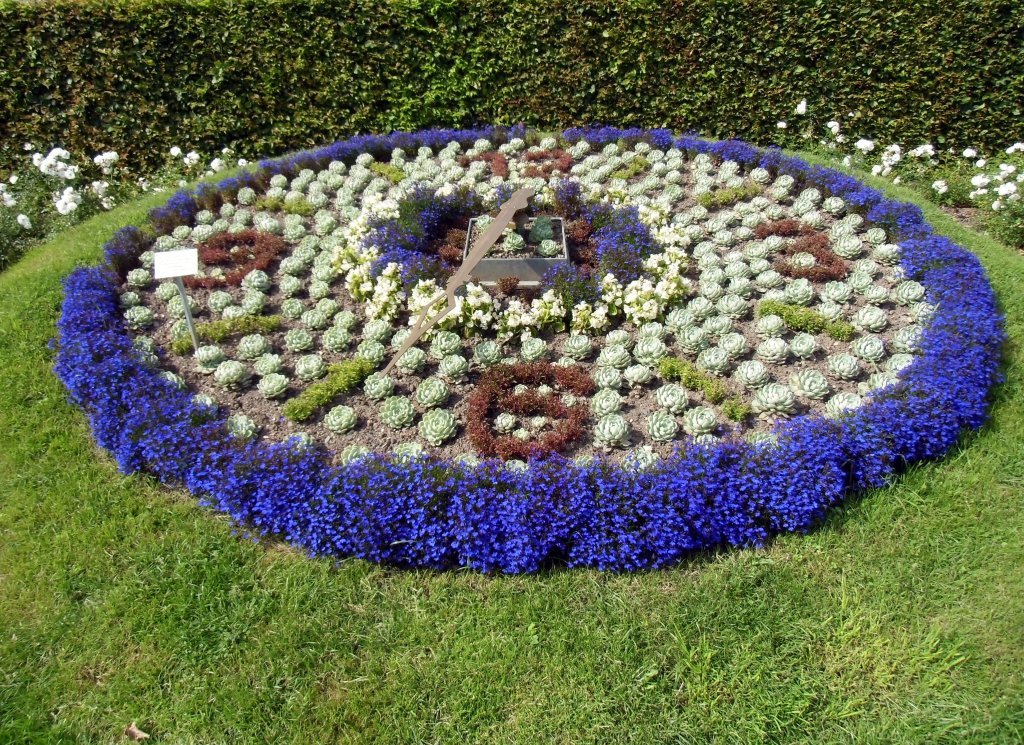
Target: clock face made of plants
x,y
500,301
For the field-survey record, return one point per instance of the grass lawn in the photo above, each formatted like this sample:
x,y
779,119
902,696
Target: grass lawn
x,y
899,620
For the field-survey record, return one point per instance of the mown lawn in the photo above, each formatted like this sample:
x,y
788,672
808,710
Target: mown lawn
x,y
899,620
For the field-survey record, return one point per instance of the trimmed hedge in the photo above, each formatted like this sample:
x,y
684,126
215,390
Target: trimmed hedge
x,y
139,76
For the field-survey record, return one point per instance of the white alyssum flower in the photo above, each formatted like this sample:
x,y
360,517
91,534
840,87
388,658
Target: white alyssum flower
x,y
970,152
24,222
106,161
67,201
191,158
940,186
865,146
1005,190
923,151
980,180
980,163
54,164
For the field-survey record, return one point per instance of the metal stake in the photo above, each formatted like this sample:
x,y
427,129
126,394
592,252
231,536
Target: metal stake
x,y
188,314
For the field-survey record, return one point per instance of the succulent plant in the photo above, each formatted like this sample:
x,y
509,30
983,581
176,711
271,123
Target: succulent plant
x,y
408,451
377,330
869,348
513,242
341,419
257,279
699,420
454,367
837,292
768,280
254,302
738,268
542,229
870,318
373,351
803,345
436,426
378,386
842,403
138,317
843,366
907,339
799,292
714,359
412,360
522,433
252,346
652,329
166,290
174,379
315,319
353,453
139,278
773,399
847,246
505,422
218,301
231,374
444,344
770,326
875,294
345,319
679,319
267,364
549,249
831,311
176,307
292,308
752,374
487,353
859,282
773,350
877,381
662,426
397,412
908,292
809,383
701,308
533,348
650,351
615,355
298,340
693,340
242,427
336,339
208,358
899,362
432,392
732,306
605,401
577,346
310,367
672,397
711,291
612,430
637,375
607,377
887,253
620,337
272,385
718,325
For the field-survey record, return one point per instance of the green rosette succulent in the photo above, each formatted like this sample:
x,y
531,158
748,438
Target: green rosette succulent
x,y
373,351
139,278
770,326
487,353
254,302
505,423
298,340
290,286
218,301
732,306
876,294
577,346
315,319
605,401
662,426
607,377
831,311
166,290
859,282
345,319
620,337
847,246
454,367
412,360
310,367
139,317
242,427
341,419
378,386
353,453
772,400
718,325
877,381
871,349
773,350
837,292
377,330
513,242
769,279
408,450
843,366
679,319
652,330
549,249
887,253
397,412
432,392
638,375
176,308
616,356
437,426
399,338
809,384
231,374
699,420
273,385
752,374
174,379
612,431
908,339
252,346
693,340
875,236
899,362
208,358
842,403
715,360
803,346
712,291
267,364
533,349
257,279
650,351
640,459
336,339
870,318
734,345
292,308
672,397
701,308
444,344
799,292
542,230
908,292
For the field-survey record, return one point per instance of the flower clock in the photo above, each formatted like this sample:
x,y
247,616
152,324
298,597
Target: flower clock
x,y
724,343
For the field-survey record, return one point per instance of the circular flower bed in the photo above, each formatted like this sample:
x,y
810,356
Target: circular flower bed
x,y
735,341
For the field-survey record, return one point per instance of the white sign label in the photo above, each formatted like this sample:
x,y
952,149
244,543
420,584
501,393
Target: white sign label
x,y
180,263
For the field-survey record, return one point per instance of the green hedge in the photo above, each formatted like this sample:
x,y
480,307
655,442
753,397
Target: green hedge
x,y
139,76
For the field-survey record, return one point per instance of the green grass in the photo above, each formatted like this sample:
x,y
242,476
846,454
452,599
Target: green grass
x,y
899,620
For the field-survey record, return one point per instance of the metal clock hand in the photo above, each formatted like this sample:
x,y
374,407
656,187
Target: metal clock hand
x,y
519,200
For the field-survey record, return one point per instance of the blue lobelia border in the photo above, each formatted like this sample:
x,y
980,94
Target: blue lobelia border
x,y
432,513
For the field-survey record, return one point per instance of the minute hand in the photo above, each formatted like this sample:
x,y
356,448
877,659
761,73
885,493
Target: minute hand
x,y
519,200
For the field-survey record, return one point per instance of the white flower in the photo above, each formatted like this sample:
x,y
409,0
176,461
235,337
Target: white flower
x,y
780,125
24,222
833,127
242,162
13,179
970,152
997,205
848,161
191,158
175,152
876,169
99,188
801,108
940,186
225,151
980,163
1007,189
28,147
865,146
1017,147
923,151
1007,168
217,165
896,180
980,180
